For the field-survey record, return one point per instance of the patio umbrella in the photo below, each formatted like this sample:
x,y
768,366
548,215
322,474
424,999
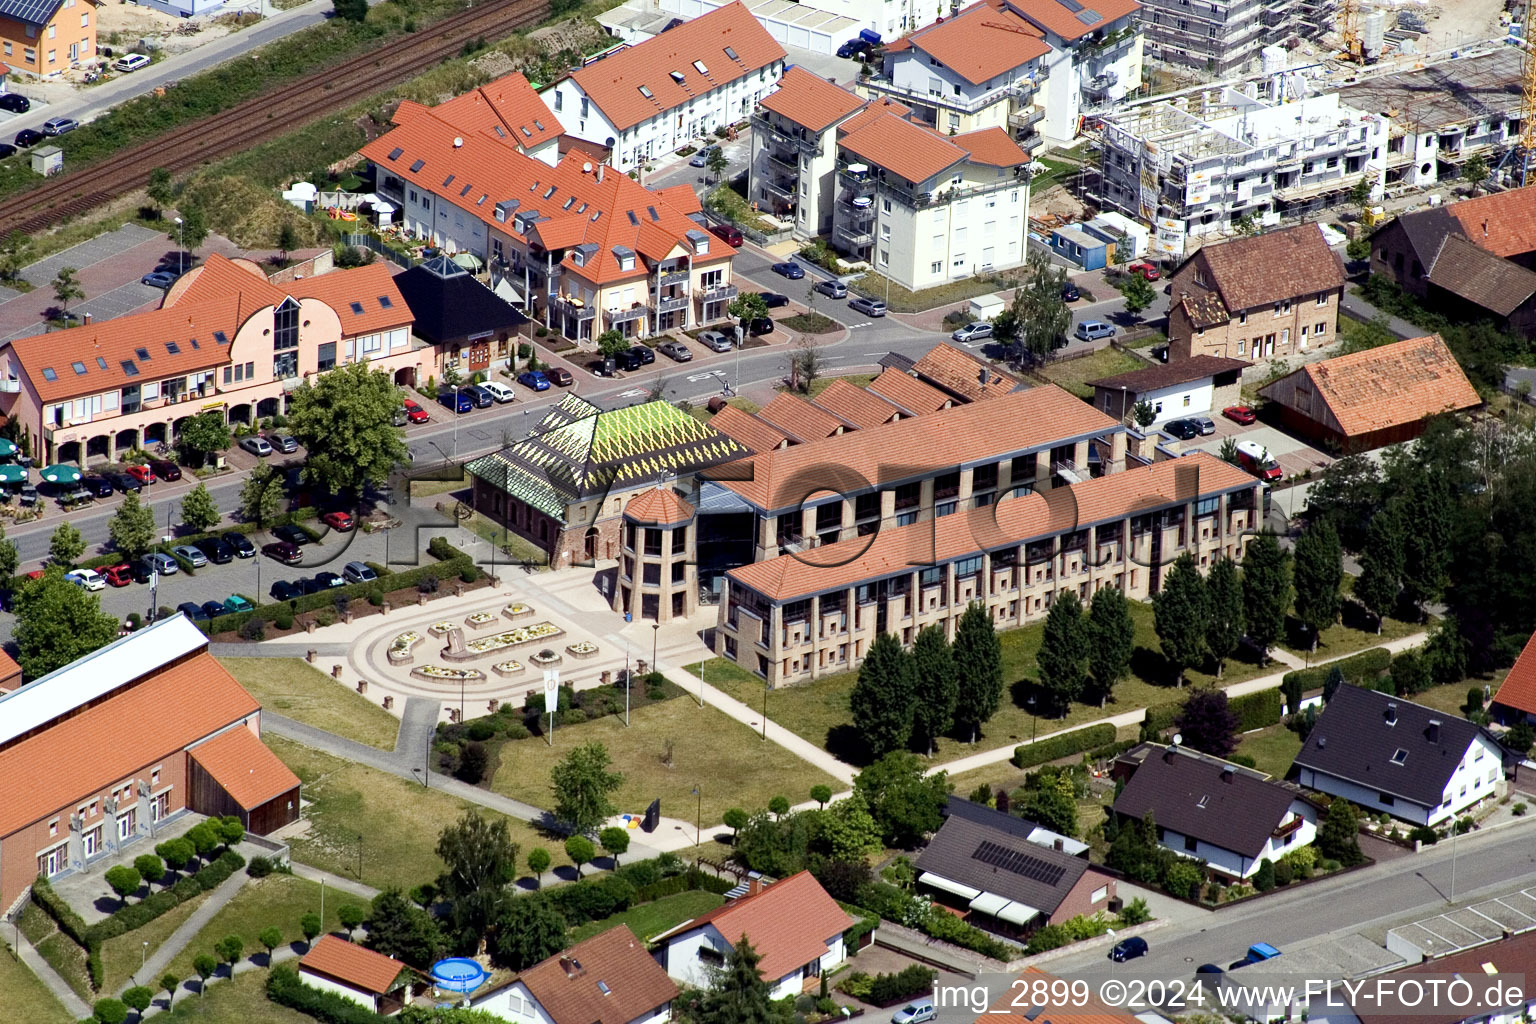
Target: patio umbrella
x,y
469,261
61,474
8,449
12,474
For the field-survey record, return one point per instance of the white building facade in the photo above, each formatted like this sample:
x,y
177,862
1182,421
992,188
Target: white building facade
x,y
1297,829
694,957
1478,776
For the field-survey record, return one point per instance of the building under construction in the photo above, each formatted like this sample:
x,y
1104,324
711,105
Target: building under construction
x,y
1225,36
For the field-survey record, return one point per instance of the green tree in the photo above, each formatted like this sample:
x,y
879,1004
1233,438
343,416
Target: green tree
x,y
202,436
132,527
739,994
1137,294
735,819
65,546
1410,675
748,306
1475,170
611,342
883,696
345,421
583,786
778,806
176,853
1363,337
480,859
15,254
270,937
821,794
231,831
10,558
311,926
1264,878
124,881
230,949
717,162
139,997
169,983
1181,611
399,928
161,190
192,231
1224,628
204,965
1041,313
1063,657
1338,837
1360,193
806,362
1111,641
261,495
1350,493
978,669
287,240
149,867
849,831
614,841
1144,414
906,803
528,930
1317,576
349,916
1427,551
1207,723
198,510
1358,248
580,850
1381,565
57,622
110,1011
67,287
1053,804
1520,738
935,689
351,10
1266,591
538,863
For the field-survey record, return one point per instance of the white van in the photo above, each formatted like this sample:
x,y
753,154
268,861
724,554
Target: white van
x,y
499,391
130,62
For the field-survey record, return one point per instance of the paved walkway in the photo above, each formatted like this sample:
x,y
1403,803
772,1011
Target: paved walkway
x,y
48,976
161,958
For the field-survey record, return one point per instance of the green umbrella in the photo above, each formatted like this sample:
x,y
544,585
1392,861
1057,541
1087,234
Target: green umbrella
x,y
12,474
7,448
469,261
61,474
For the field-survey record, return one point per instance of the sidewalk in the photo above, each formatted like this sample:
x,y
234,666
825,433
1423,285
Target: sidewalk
x,y
48,976
174,943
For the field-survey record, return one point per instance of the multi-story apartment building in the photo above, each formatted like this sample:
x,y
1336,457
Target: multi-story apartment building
x,y
798,616
588,248
646,101
47,37
506,110
794,149
1201,162
1225,36
226,339
817,25
1095,60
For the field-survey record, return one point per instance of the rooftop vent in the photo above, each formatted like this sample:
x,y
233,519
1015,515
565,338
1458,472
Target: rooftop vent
x,y
457,142
1227,775
1391,713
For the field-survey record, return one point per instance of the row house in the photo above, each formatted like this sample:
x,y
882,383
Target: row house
x,y
506,111
586,249
646,101
799,616
225,340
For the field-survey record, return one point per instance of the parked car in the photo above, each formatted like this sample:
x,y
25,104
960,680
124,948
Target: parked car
x,y
282,590
727,233
534,379
1184,430
98,486
160,562
15,102
1128,949
832,288
630,359
239,543
1070,293
500,392
308,585
326,580
975,331
28,137
701,158
158,279
140,571
1207,969
6,149
1093,330
119,575
165,469
1255,458
142,473
415,413
774,300
358,572
1205,424
125,482
1240,414
291,534
256,445
191,610
559,376
867,306
283,443
918,1011
130,62
758,326
236,603
338,520
89,579
457,401
191,553
283,551
1257,954
1144,269
216,551
213,609
715,341
60,125
482,398
854,49
789,269
675,351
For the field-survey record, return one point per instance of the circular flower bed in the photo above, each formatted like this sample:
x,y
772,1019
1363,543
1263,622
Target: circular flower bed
x,y
514,637
480,620
582,649
546,657
517,610
401,646
442,673
440,628
507,668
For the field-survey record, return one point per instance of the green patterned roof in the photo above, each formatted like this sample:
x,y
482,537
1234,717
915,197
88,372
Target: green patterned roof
x,y
578,450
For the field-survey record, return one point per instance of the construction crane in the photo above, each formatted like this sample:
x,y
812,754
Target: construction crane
x,y
1527,98
1349,30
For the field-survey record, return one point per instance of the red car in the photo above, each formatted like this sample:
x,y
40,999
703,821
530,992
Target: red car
x,y
414,412
1240,414
337,520
1146,270
119,575
143,474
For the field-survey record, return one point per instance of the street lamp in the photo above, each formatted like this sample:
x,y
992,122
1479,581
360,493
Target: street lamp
x,y
655,632
456,387
1032,718
181,248
698,817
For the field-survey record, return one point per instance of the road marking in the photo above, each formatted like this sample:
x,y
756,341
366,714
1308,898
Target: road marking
x,y
866,323
632,393
695,378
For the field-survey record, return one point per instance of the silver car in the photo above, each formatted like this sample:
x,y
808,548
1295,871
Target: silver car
x,y
358,572
675,350
867,306
834,288
193,556
715,341
974,331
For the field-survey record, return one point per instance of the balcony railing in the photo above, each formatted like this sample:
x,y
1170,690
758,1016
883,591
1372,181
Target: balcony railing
x,y
854,237
671,277
671,303
1026,119
717,293
782,187
578,311
789,165
806,143
860,184
860,215
1023,89
624,316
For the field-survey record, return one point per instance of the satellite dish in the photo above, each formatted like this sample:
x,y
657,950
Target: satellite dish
x,y
586,167
1178,738
457,142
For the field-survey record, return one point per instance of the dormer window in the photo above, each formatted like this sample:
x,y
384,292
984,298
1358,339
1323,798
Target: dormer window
x,y
626,263
579,258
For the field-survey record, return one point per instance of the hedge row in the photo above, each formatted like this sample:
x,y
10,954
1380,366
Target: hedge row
x,y
1052,747
54,905
694,879
1257,710
1357,668
285,989
1161,716
867,922
137,915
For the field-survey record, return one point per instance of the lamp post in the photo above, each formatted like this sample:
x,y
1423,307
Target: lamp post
x,y
626,682
1032,718
698,816
143,956
456,387
181,248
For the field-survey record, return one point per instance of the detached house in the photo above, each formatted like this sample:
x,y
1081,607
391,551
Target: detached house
x,y
1516,699
607,979
47,37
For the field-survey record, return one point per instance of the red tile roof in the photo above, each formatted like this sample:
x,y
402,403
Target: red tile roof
x,y
799,418
782,478
872,113
507,108
617,981
1518,690
659,505
169,709
348,962
961,373
904,390
1061,19
992,147
371,287
1011,521
748,429
1490,962
903,148
1273,267
240,763
810,100
981,42
1504,223
788,923
614,83
1384,387
862,408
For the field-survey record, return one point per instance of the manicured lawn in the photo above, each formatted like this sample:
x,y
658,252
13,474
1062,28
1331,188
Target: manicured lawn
x,y
121,957
26,997
68,961
1355,631
440,483
903,301
35,924
730,764
1272,748
297,690
1452,697
1073,374
241,1000
518,549
653,918
399,821
277,900
811,323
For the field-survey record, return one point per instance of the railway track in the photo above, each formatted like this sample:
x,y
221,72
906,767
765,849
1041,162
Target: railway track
x,y
264,117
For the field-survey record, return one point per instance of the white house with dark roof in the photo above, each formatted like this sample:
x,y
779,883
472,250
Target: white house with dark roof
x,y
1387,754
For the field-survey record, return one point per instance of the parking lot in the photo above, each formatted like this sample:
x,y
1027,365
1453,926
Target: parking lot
x,y
1294,455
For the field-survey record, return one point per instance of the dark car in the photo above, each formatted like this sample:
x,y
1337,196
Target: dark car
x,y
308,585
1069,292
603,367
6,149
724,232
99,487
140,571
213,609
284,552
853,49
1182,429
14,102
240,544
292,535
28,137
458,401
191,610
793,271
646,355
559,376
165,469
758,326
773,300
534,379
217,551
629,359
1128,949
282,590
482,398
125,483
329,579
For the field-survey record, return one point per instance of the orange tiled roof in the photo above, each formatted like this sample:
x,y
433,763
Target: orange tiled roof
x,y
992,147
847,462
346,961
240,763
904,390
1273,267
365,298
1504,223
607,979
1518,690
961,373
903,148
169,709
659,505
788,923
799,418
508,108
1010,521
810,100
748,429
1060,19
862,408
872,113
1387,386
981,42
614,83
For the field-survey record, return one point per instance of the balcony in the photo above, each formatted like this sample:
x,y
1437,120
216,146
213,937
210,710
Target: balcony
x,y
671,303
671,277
717,293
786,164
853,237
1026,119
781,186
614,317
574,308
1022,89
861,215
803,141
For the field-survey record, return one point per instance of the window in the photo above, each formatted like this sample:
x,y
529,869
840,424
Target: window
x,y
652,573
1190,844
285,326
285,365
1385,799
937,267
559,101
1241,345
1322,299
85,20
1242,318
53,33
327,358
53,827
7,49
53,56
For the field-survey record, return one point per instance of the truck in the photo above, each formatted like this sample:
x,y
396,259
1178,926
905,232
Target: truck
x,y
1257,953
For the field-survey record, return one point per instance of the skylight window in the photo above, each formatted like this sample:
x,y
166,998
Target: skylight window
x,y
698,66
79,368
602,987
418,165
1400,757
385,302
652,211
550,192
357,308
568,203
395,153
499,133
101,363
645,91
731,53
129,368
677,76
173,348
194,343
526,133
632,218
465,190
449,180
538,124
1204,799
483,197
142,353
221,337
48,374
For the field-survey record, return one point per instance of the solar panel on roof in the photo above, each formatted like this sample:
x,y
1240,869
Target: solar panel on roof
x,y
418,165
1089,17
395,153
1033,868
128,366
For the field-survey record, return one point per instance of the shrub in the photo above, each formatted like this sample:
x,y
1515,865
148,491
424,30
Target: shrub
x,y
1257,710
69,922
1518,810
1160,717
325,617
1423,834
256,629
575,716
468,574
1052,936
146,910
517,731
285,988
481,730
1280,874
886,989
947,927
1030,754
1182,880
259,867
1266,878
1243,759
376,597
283,619
1135,912
473,761
1360,668
1303,861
